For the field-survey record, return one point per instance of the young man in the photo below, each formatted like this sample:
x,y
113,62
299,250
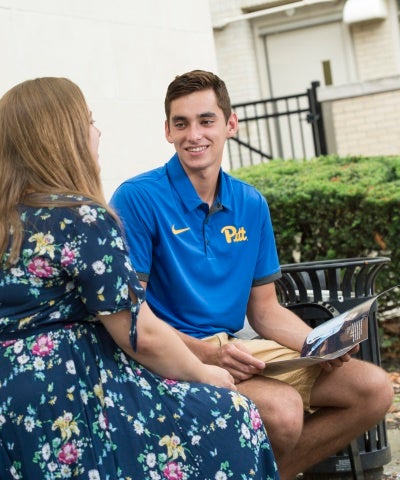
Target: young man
x,y
203,245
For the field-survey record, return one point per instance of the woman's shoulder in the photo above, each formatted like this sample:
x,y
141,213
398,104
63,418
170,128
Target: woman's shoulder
x,y
67,210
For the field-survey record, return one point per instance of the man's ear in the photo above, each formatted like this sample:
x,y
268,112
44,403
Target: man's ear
x,y
232,125
167,132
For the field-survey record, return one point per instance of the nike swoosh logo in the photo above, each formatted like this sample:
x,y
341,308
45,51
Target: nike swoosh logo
x,y
177,231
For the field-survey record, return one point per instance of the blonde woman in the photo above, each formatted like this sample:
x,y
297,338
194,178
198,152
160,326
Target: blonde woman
x,y
92,384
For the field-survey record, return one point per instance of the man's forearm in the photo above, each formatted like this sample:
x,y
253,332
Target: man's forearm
x,y
283,327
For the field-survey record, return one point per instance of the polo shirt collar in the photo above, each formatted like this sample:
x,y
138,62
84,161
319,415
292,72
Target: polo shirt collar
x,y
187,193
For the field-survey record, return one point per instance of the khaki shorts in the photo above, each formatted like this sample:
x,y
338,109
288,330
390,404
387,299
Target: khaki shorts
x,y
301,380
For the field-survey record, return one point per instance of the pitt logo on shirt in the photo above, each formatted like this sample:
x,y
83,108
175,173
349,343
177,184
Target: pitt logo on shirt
x,y
233,234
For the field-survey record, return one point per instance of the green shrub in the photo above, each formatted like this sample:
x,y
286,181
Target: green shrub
x,y
331,207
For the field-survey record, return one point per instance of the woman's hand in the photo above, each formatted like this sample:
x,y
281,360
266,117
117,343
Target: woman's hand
x,y
217,376
161,350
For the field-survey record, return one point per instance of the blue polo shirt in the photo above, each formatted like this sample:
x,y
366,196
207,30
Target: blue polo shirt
x,y
200,263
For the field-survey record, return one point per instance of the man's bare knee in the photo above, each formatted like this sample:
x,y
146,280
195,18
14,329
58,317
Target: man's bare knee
x,y
288,411
281,409
355,381
376,393
379,390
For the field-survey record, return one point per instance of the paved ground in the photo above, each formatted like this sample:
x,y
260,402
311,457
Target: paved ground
x,y
392,470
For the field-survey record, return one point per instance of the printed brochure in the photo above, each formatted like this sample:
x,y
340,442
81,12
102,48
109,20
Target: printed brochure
x,y
330,340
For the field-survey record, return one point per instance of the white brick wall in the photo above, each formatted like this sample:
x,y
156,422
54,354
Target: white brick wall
x,y
368,125
375,50
237,63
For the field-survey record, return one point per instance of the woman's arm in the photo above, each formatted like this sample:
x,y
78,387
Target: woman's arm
x,y
161,350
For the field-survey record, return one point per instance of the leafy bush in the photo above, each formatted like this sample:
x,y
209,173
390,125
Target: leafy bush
x,y
332,207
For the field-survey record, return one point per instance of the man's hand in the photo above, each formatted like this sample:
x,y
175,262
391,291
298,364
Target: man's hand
x,y
239,362
338,362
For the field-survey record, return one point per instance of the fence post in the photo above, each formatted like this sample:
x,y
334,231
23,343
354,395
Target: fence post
x,y
315,118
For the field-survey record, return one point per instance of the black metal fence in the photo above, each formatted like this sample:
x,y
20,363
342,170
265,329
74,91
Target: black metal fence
x,y
280,127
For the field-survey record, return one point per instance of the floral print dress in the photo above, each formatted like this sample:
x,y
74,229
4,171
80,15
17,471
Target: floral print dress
x,y
72,403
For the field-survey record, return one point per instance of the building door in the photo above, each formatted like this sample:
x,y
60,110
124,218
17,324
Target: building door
x,y
297,57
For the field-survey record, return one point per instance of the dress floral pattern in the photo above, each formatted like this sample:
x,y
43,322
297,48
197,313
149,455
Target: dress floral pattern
x,y
73,405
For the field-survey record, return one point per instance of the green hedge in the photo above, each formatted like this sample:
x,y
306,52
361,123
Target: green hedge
x,y
332,207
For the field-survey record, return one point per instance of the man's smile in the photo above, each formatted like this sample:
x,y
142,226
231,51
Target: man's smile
x,y
196,149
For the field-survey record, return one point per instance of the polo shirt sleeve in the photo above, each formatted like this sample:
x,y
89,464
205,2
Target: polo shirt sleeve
x,y
136,216
267,267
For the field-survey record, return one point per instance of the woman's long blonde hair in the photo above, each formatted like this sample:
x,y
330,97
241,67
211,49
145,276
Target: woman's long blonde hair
x,y
45,149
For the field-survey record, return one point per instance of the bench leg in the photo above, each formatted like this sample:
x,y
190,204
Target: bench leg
x,y
355,460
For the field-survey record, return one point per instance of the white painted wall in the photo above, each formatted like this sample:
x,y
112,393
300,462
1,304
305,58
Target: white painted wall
x,y
122,53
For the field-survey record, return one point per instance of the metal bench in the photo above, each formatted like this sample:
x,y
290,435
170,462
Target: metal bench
x,y
317,291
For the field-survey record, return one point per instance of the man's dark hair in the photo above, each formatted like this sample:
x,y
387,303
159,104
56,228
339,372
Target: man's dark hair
x,y
195,81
